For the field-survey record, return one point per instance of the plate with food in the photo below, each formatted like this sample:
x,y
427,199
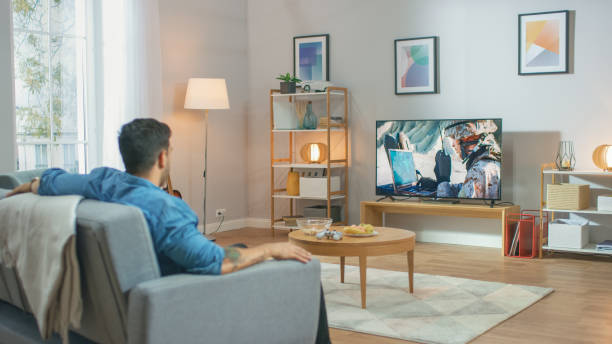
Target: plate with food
x,y
361,230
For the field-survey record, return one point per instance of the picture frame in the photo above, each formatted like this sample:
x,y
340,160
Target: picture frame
x,y
543,42
416,65
311,57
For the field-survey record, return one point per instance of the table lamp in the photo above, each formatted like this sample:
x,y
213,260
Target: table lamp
x,y
206,94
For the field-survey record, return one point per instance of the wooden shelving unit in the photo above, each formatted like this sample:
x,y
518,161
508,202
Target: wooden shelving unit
x,y
549,170
287,164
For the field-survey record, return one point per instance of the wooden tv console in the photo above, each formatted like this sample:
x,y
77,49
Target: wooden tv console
x,y
372,212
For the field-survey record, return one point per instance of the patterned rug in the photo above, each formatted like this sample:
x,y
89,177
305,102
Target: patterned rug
x,y
441,310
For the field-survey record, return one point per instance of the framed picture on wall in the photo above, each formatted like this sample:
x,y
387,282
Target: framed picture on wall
x,y
311,57
543,43
416,65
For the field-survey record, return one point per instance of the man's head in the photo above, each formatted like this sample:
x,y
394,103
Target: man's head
x,y
144,145
466,135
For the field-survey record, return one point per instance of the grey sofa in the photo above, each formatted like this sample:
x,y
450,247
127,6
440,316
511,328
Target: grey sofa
x,y
127,301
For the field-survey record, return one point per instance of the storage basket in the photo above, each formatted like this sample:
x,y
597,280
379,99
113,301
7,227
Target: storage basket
x,y
567,196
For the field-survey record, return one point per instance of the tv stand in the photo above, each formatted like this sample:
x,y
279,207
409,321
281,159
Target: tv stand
x,y
372,212
384,198
440,201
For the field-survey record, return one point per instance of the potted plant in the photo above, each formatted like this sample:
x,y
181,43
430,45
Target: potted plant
x,y
288,82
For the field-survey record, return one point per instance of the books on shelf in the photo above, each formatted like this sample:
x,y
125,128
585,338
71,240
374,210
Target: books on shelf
x,y
605,245
323,123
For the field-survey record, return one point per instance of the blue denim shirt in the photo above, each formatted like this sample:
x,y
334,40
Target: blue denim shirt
x,y
179,246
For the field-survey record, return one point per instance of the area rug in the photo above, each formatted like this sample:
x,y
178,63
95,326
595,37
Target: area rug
x,y
441,310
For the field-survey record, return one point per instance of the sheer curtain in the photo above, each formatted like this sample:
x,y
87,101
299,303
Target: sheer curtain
x,y
131,72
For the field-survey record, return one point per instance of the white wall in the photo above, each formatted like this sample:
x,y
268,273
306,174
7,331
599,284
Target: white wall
x,y
7,103
207,39
478,77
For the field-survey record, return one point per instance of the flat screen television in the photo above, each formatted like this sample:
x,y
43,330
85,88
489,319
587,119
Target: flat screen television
x,y
440,159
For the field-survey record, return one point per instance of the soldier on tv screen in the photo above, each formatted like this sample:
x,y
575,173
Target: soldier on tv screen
x,y
475,143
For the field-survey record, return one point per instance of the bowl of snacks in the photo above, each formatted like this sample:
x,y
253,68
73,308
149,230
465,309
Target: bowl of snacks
x,y
361,230
313,225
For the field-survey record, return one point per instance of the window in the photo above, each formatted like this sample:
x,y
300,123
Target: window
x,y
50,44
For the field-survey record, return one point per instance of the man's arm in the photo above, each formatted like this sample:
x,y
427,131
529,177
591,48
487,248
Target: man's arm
x,y
57,182
240,258
31,186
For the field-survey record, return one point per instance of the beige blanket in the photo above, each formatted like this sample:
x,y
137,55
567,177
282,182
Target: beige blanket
x,y
37,237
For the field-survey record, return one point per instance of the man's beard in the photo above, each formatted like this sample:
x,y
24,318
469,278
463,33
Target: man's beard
x,y
163,180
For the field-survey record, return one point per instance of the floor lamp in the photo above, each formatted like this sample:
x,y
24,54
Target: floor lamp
x,y
206,94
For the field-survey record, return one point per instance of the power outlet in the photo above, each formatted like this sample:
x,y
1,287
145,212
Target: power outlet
x,y
220,212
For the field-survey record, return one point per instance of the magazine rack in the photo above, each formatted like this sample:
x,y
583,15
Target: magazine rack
x,y
522,233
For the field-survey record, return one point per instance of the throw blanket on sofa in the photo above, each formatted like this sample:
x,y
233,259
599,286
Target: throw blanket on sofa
x,y
37,238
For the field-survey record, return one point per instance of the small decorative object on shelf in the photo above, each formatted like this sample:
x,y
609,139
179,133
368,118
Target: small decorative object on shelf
x,y
293,184
288,83
566,160
602,157
310,119
314,153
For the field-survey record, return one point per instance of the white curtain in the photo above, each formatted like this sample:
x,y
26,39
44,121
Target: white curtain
x,y
131,69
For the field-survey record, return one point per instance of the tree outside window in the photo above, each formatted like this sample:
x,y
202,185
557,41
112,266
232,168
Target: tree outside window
x,y
50,78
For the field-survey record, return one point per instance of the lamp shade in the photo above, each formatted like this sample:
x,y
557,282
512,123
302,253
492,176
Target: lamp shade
x,y
206,93
314,152
602,157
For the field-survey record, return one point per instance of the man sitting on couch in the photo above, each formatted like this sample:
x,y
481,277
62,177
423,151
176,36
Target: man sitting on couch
x,y
179,246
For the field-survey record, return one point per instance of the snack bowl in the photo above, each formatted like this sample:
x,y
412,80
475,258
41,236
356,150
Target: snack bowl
x,y
313,225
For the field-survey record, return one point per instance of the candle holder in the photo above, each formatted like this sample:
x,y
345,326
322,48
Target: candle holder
x,y
566,160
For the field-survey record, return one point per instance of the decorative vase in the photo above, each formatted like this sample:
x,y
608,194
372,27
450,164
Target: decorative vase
x,y
293,184
287,87
566,159
310,119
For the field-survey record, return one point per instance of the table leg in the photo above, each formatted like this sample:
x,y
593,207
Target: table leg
x,y
411,270
342,269
363,265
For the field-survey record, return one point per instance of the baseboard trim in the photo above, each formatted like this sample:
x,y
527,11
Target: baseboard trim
x,y
231,225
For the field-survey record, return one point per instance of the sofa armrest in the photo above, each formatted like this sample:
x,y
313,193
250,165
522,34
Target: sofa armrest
x,y
272,302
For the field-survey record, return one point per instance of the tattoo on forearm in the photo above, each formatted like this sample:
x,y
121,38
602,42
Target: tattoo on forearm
x,y
237,259
234,256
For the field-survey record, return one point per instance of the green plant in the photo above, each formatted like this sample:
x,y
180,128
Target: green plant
x,y
288,78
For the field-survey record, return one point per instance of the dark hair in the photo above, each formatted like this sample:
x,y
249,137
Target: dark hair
x,y
141,141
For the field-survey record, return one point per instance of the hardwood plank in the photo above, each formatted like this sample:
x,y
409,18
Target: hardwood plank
x,y
579,311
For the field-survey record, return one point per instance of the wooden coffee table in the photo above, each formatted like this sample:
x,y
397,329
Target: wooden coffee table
x,y
388,241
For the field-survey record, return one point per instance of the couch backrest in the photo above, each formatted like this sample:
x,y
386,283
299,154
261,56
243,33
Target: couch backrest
x,y
13,180
115,254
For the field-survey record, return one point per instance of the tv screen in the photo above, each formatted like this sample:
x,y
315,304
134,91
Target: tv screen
x,y
451,158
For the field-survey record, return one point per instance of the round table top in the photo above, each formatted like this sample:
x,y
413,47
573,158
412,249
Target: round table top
x,y
386,236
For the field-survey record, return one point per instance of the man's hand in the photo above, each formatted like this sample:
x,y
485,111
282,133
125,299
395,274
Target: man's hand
x,y
240,258
25,188
285,250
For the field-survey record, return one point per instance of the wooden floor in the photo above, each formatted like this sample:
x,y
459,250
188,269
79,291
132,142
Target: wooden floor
x,y
578,311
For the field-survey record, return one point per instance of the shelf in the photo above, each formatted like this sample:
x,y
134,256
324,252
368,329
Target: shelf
x,y
577,173
332,197
306,130
583,211
305,165
589,248
281,225
309,94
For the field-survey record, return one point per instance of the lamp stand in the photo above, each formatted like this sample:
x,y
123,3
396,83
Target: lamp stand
x,y
208,236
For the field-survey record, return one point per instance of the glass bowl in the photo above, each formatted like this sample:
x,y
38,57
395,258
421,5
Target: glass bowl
x,y
313,225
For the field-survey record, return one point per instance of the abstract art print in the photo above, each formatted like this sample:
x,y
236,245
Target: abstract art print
x,y
543,42
416,65
311,57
